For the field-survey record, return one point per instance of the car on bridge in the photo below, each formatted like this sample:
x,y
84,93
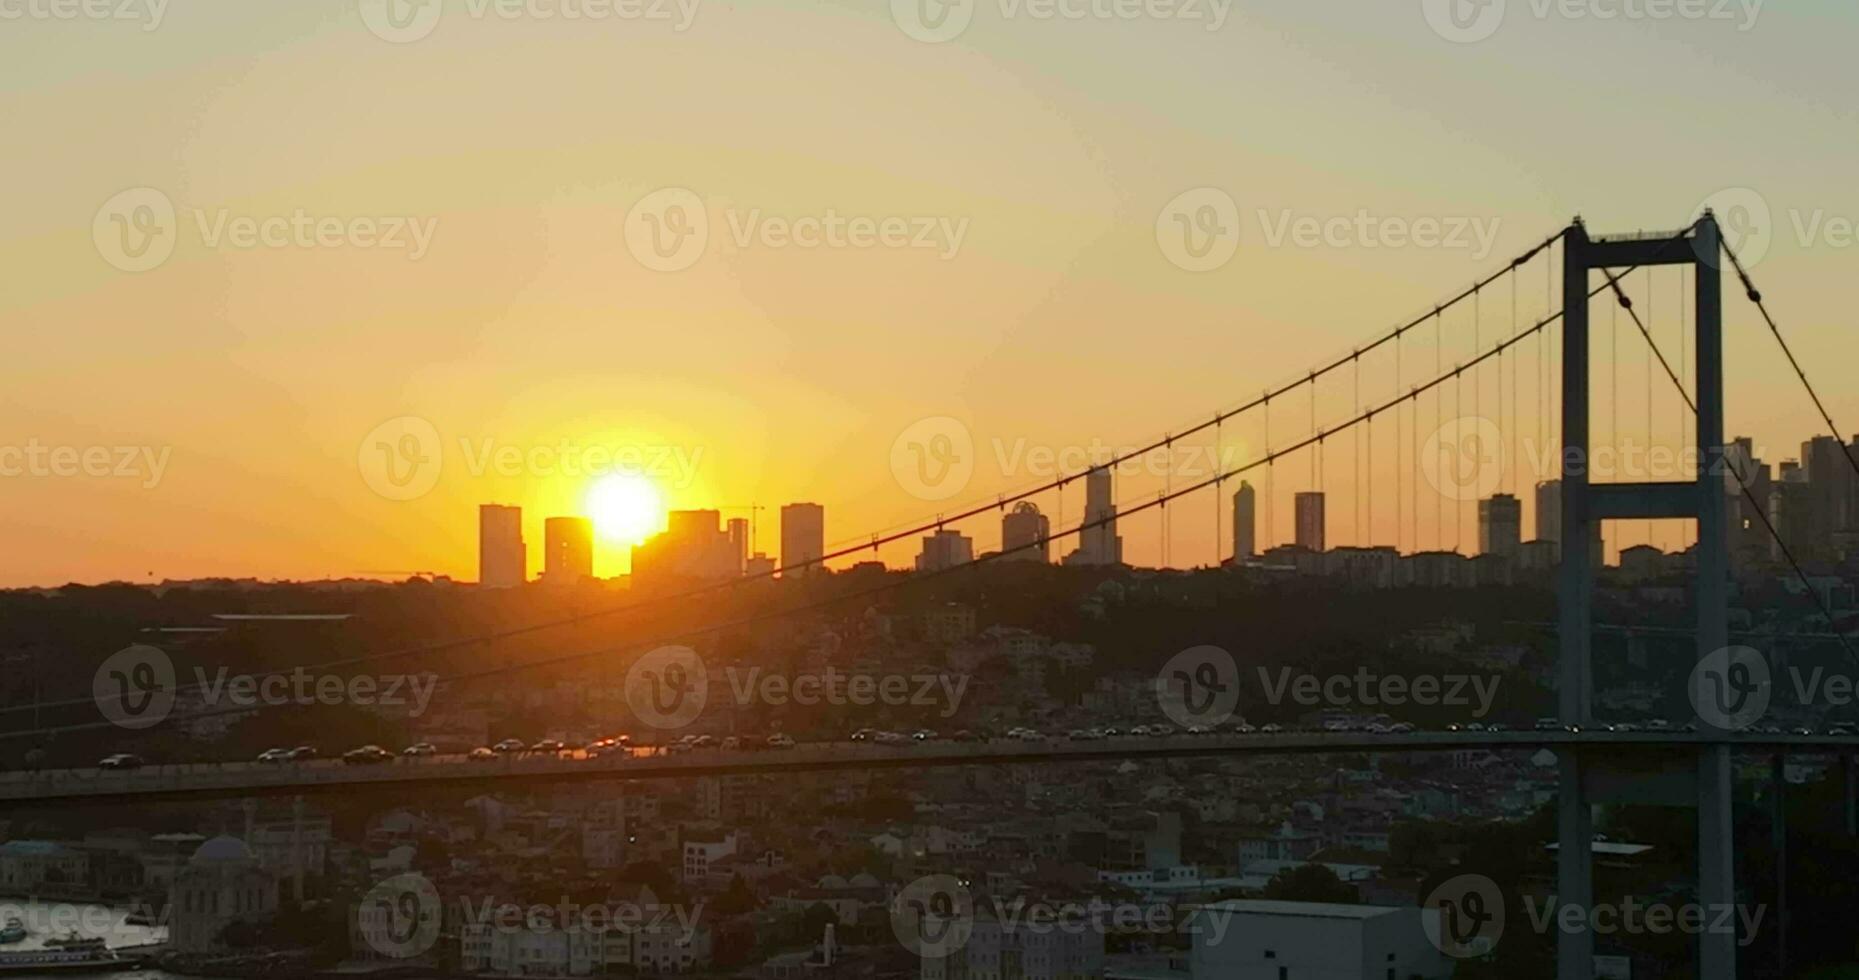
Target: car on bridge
x,y
303,753
367,755
508,745
122,760
420,748
274,756
548,745
480,754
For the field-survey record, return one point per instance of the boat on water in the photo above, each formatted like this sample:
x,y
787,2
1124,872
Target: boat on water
x,y
73,942
83,960
13,931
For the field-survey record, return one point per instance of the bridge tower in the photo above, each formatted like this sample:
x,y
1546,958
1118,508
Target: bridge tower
x,y
1699,777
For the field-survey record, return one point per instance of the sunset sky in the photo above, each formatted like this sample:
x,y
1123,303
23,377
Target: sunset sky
x,y
769,373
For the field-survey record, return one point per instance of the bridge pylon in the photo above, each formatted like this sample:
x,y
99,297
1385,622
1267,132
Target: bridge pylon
x,y
1701,777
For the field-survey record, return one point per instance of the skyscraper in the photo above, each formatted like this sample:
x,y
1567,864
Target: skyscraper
x,y
1245,522
1098,543
1310,520
1549,511
502,560
567,550
945,549
1024,534
1500,525
692,548
803,538
738,531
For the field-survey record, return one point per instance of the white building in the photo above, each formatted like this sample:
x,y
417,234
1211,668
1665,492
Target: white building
x,y
1265,940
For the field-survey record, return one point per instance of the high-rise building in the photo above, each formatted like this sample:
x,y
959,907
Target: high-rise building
x,y
693,547
945,549
1549,511
803,538
1025,534
502,559
1245,522
1098,543
1309,506
1749,539
1830,482
738,532
568,550
1500,525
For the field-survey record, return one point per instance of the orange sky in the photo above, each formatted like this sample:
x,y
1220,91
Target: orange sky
x,y
472,253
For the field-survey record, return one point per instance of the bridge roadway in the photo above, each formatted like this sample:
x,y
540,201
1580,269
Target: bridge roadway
x,y
184,781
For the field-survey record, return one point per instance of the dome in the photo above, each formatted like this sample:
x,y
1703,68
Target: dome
x,y
225,847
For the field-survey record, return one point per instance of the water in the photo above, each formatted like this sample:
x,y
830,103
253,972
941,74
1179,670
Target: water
x,y
51,920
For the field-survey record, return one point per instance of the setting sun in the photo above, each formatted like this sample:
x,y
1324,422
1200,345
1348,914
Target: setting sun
x,y
625,508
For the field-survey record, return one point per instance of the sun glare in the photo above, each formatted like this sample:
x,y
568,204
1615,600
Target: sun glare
x,y
625,508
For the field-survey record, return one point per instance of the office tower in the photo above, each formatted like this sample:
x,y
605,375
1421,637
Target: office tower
x,y
1749,539
502,561
1500,525
568,550
1830,483
803,538
1098,543
945,549
692,548
1310,520
738,532
1024,534
1245,522
1549,511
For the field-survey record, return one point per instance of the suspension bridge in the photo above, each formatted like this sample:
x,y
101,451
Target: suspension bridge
x,y
1672,768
